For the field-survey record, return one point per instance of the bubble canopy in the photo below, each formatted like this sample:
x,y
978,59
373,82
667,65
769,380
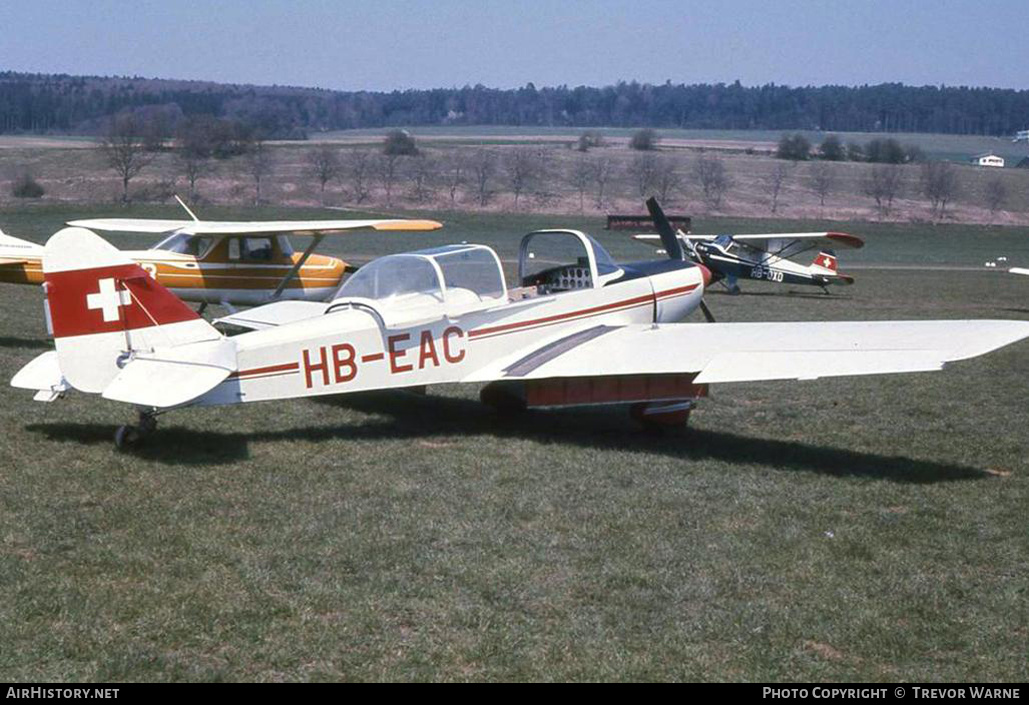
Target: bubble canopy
x,y
452,274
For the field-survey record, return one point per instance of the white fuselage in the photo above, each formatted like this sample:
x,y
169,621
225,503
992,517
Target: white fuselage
x,y
353,349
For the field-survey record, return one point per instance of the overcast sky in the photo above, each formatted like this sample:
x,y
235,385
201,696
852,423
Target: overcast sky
x,y
394,44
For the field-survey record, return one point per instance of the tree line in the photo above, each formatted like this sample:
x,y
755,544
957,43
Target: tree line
x,y
532,176
42,103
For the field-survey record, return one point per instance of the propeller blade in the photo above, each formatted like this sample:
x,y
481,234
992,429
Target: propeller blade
x,y
668,238
707,312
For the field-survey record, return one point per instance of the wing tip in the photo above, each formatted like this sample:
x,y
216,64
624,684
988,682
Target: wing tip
x,y
414,225
846,239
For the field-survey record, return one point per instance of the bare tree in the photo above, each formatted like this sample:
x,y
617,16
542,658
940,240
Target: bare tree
x,y
454,174
775,180
357,168
643,171
521,169
714,181
995,193
939,184
601,172
667,179
882,183
822,180
579,176
124,150
484,169
387,166
422,175
324,164
258,163
195,147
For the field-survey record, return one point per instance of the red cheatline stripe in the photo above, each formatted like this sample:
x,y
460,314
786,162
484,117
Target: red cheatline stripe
x,y
373,357
667,293
289,366
583,313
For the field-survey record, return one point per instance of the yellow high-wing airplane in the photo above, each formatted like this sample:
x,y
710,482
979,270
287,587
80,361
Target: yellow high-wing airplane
x,y
235,263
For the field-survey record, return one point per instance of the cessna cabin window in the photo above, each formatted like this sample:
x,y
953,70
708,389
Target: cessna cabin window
x,y
257,249
285,246
185,244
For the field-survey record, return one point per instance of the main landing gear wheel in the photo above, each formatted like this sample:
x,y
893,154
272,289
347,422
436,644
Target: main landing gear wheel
x,y
128,435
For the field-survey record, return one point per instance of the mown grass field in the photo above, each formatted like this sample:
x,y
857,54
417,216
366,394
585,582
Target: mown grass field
x,y
851,529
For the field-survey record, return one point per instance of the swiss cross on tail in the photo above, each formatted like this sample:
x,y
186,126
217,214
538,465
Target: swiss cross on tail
x,y
825,260
109,300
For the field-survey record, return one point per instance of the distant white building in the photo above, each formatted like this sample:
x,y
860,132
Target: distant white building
x,y
988,159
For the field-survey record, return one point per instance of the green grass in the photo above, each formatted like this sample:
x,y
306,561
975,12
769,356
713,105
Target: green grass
x,y
853,529
937,146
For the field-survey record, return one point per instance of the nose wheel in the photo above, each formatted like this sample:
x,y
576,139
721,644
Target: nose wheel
x,y
128,435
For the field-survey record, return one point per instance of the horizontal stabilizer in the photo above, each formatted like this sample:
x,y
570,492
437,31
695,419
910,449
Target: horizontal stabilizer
x,y
42,375
174,376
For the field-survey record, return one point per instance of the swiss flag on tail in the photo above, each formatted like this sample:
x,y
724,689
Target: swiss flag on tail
x,y
104,308
110,299
825,260
94,288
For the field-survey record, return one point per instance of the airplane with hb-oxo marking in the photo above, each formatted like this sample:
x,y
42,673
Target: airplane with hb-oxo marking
x,y
232,263
767,257
577,329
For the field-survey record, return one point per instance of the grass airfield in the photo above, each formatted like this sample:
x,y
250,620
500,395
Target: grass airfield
x,y
851,529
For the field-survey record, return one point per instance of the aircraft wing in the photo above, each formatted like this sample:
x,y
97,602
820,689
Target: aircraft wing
x,y
14,250
776,242
1019,270
746,352
211,227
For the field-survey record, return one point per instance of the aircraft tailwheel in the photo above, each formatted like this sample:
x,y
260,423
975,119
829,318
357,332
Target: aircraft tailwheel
x,y
125,436
129,435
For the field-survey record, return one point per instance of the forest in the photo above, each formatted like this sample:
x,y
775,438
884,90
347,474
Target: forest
x,y
64,104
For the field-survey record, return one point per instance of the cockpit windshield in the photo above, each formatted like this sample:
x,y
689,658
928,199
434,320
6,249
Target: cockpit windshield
x,y
393,276
185,244
472,270
562,260
457,274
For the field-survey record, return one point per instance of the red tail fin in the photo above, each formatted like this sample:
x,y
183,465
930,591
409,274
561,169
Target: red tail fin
x,y
825,260
103,307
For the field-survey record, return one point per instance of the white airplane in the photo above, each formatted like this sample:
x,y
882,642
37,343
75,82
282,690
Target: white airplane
x,y
578,329
766,257
1019,270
